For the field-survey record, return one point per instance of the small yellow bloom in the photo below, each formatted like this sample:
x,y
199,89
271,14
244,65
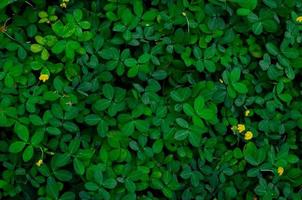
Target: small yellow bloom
x,y
241,128
220,80
280,171
247,113
299,19
39,163
63,5
44,77
248,135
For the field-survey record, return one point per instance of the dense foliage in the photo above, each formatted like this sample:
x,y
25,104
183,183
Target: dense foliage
x,y
153,99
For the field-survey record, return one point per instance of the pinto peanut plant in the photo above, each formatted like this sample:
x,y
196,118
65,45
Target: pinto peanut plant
x,y
150,99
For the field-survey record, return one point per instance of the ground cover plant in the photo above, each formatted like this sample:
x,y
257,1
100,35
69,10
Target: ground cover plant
x,y
150,99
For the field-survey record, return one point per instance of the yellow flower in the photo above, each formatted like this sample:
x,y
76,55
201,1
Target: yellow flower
x,y
39,163
299,19
241,128
247,113
44,77
63,5
248,135
280,171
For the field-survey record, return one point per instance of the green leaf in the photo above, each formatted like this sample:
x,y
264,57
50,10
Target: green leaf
x,y
290,72
85,25
36,120
102,128
138,7
235,75
3,184
38,137
108,91
53,130
167,192
182,123
128,128
130,62
91,186
70,49
70,126
210,65
102,104
240,87
28,153
52,188
243,11
9,81
60,160
78,166
249,153
257,28
133,71
92,119
286,97
44,54
68,196
157,146
126,16
98,42
119,28
253,172
188,109
144,58
210,52
150,15
253,155
63,31
110,183
199,65
159,74
181,134
77,14
207,114
4,3
230,192
22,53
16,147
74,145
292,158
130,186
63,175
51,96
59,47
21,131
181,94
142,125
110,53
36,48
249,4
272,49
195,138
199,105
58,84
